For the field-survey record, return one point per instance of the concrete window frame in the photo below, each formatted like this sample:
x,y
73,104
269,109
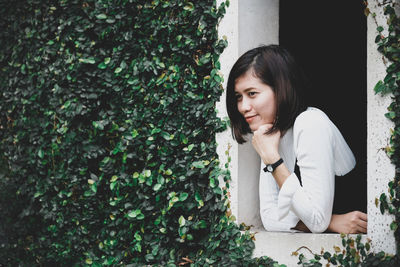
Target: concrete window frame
x,y
244,200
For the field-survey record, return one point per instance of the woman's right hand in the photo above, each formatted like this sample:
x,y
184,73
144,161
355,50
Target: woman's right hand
x,y
354,222
266,145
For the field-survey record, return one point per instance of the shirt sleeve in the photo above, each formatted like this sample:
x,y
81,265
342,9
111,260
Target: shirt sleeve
x,y
269,210
314,148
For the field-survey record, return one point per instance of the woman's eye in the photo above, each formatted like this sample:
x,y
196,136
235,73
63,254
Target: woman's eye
x,y
238,97
252,93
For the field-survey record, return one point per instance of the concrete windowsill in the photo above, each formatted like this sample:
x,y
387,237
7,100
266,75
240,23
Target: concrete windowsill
x,y
279,246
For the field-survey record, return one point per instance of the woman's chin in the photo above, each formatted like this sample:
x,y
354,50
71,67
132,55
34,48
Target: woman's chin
x,y
254,128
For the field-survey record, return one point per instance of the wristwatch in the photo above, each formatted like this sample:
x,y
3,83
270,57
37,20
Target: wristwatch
x,y
272,167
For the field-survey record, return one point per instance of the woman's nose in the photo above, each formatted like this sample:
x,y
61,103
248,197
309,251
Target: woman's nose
x,y
244,106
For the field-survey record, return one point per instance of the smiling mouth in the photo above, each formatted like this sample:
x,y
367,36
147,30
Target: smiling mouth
x,y
250,118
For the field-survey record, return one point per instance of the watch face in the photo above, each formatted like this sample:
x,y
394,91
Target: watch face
x,y
269,168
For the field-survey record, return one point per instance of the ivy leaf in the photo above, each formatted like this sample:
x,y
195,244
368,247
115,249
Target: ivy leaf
x,y
390,115
189,6
217,78
137,236
199,199
181,221
167,136
112,185
212,182
147,173
198,164
102,66
87,60
217,190
183,196
184,140
393,226
156,187
379,87
155,130
382,208
41,153
134,213
101,16
202,224
142,178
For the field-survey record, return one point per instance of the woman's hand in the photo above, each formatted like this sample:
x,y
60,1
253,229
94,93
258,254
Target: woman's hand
x,y
266,145
354,222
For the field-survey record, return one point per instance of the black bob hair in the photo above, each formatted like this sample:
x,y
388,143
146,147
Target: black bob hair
x,y
275,67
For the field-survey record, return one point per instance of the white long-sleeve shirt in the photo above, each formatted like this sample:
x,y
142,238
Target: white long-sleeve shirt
x,y
321,153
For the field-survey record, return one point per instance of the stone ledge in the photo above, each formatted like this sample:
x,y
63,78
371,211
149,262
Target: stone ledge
x,y
279,246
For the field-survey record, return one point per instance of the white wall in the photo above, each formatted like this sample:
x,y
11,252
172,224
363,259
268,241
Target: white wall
x,y
247,24
258,24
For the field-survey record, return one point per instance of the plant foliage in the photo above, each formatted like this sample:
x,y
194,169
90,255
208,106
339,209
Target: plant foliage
x,y
107,135
353,253
389,46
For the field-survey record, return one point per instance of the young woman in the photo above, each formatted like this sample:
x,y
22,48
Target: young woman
x,y
301,149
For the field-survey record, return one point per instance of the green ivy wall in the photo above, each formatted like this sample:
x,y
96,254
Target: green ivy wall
x,y
107,135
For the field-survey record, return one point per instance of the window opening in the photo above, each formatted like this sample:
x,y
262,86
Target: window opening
x,y
330,44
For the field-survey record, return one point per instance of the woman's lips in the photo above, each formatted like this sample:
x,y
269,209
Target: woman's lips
x,y
250,118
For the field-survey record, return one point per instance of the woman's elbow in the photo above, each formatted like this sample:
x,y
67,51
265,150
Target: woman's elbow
x,y
321,225
269,225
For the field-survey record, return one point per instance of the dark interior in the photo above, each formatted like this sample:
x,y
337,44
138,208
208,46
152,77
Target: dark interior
x,y
328,39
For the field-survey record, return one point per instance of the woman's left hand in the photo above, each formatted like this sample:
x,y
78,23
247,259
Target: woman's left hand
x,y
354,222
267,145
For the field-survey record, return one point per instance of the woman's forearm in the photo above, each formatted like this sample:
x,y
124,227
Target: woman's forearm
x,y
281,173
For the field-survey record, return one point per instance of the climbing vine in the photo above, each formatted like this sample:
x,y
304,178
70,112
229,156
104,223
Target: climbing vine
x,y
389,46
353,253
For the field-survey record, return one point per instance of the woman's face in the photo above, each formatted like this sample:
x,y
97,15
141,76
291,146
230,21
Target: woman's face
x,y
255,100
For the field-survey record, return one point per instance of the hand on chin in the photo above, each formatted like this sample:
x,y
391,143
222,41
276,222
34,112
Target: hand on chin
x,y
264,127
266,145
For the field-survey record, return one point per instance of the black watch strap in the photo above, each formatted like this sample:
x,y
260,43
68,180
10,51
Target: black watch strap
x,y
272,167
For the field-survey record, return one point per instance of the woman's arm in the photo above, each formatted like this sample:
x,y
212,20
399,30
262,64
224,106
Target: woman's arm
x,y
267,147
271,183
354,222
313,144
321,152
269,211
